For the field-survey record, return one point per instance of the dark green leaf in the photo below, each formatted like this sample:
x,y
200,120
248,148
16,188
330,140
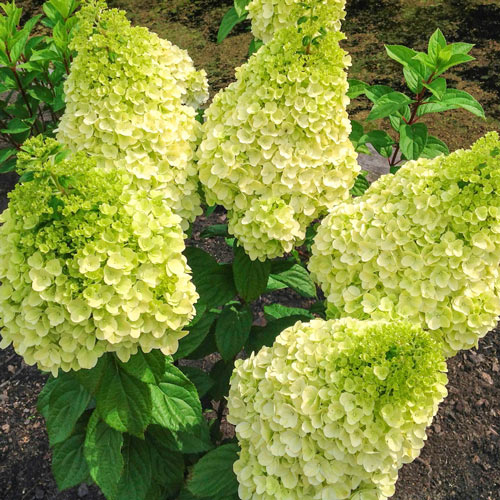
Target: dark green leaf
x,y
380,140
388,104
413,139
102,452
452,99
196,440
68,400
296,277
167,467
215,230
229,21
68,463
123,401
221,373
27,177
200,379
137,472
213,281
434,147
255,45
91,379
195,337
232,330
176,404
213,475
147,368
277,311
43,401
16,126
361,184
250,276
266,335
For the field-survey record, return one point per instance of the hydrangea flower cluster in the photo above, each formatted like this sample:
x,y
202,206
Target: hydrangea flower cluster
x,y
275,150
423,244
88,266
334,408
269,16
129,101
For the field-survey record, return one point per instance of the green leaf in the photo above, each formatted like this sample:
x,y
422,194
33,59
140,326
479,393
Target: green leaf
x,y
413,139
221,373
361,184
91,379
434,147
123,401
388,104
200,379
196,440
452,99
277,311
8,166
356,88
102,451
197,334
137,472
261,336
437,87
380,140
425,60
43,401
397,118
213,475
375,92
213,281
250,276
255,45
461,48
357,133
68,400
176,404
437,42
294,276
167,467
27,177
240,7
229,21
413,79
403,55
215,230
454,60
147,368
7,153
16,126
232,330
68,462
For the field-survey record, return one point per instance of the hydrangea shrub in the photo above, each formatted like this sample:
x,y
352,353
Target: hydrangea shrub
x,y
269,16
275,150
130,101
334,408
423,244
88,266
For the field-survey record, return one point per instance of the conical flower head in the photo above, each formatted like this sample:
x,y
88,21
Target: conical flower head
x,y
269,16
333,409
88,266
275,150
423,244
128,102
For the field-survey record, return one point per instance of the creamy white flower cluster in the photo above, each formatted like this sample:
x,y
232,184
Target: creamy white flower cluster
x,y
275,150
334,409
128,101
269,16
88,266
423,244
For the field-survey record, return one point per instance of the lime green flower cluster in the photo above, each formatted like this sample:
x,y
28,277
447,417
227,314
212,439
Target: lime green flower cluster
x,y
334,409
423,244
88,266
275,150
269,16
128,101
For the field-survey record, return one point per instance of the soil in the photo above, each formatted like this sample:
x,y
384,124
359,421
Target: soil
x,y
461,460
